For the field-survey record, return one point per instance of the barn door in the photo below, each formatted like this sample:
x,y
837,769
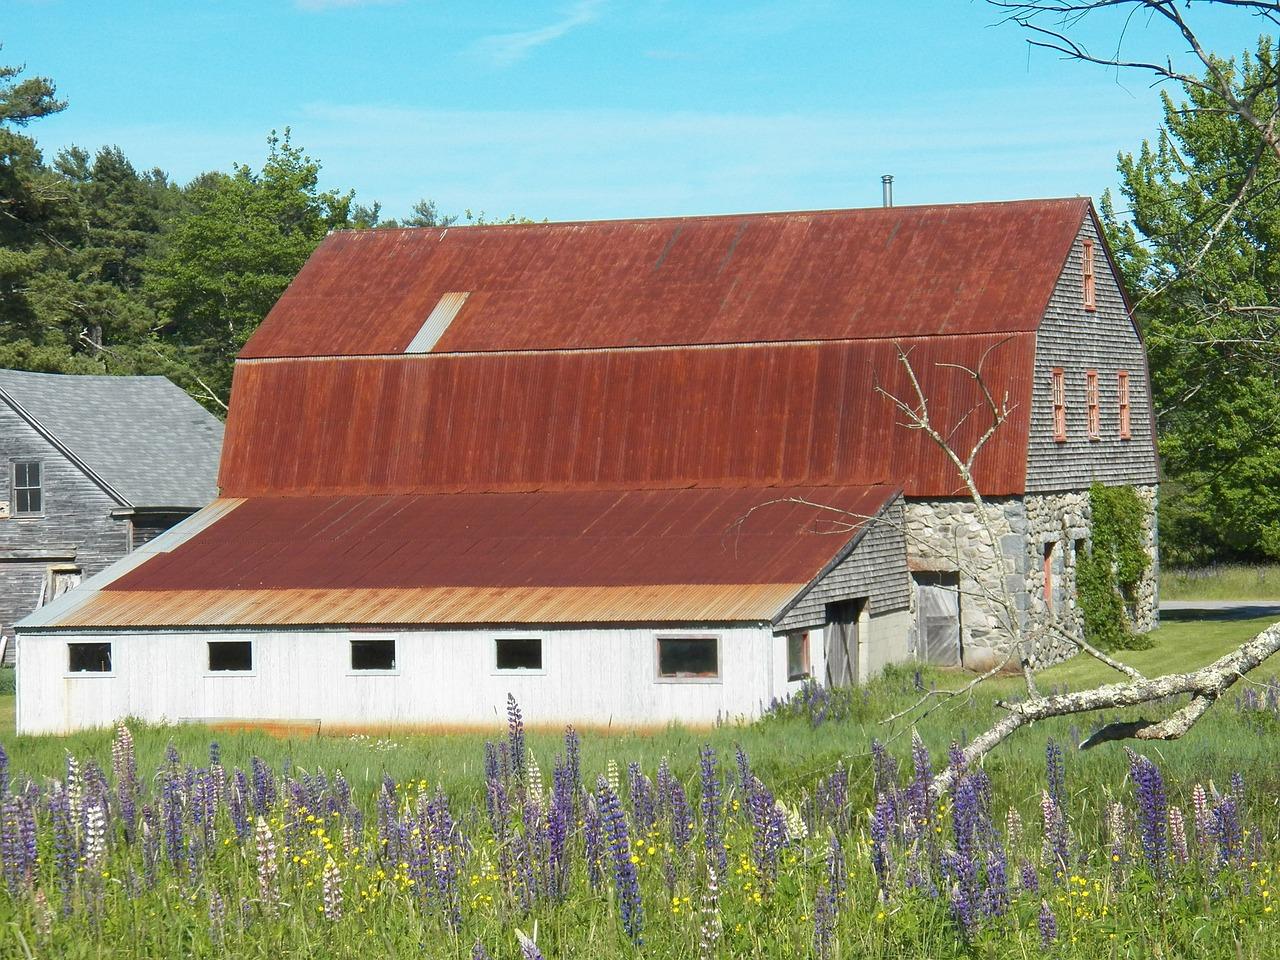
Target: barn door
x,y
938,618
842,643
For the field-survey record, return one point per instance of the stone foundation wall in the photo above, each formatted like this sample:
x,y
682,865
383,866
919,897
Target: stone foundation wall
x,y
948,535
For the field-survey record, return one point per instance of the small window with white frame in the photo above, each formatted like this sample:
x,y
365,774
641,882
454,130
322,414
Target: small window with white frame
x,y
89,658
230,656
688,658
27,493
373,655
1090,284
1122,391
798,667
518,654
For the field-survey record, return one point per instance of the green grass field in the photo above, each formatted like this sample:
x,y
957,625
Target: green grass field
x,y
1202,910
1222,582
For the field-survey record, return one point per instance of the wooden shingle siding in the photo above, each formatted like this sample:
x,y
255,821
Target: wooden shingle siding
x,y
1077,340
76,525
876,569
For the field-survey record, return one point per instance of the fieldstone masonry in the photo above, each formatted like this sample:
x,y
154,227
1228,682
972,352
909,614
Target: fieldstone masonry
x,y
950,536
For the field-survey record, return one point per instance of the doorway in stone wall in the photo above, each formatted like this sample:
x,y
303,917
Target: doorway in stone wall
x,y
938,617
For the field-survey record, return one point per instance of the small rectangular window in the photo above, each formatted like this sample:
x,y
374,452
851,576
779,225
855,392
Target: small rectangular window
x,y
1091,400
688,658
89,657
519,654
1059,404
28,498
798,655
1048,574
1122,388
1090,288
230,656
373,654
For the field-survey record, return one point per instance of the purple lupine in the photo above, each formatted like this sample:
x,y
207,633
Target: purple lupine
x,y
824,921
1237,787
528,949
881,825
150,844
10,843
711,835
559,825
1028,877
238,806
1055,848
66,854
995,892
1203,818
478,952
515,739
264,786
217,916
626,883
4,771
837,875
593,841
745,776
965,817
831,796
204,805
663,782
1055,773
681,817
643,806
768,828
573,756
919,803
1228,831
1153,812
171,811
124,767
1048,924
388,829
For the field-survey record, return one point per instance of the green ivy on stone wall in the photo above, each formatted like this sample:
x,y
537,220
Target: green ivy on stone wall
x,y
1108,575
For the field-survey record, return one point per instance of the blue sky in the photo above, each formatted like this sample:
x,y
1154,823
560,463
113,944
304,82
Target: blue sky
x,y
599,108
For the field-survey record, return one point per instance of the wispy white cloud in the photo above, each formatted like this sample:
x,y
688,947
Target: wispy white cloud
x,y
318,6
504,49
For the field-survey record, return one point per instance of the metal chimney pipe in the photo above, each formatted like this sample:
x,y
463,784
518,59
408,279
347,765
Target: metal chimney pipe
x,y
887,183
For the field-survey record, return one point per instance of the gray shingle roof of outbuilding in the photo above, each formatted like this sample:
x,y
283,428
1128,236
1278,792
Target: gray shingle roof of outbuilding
x,y
144,437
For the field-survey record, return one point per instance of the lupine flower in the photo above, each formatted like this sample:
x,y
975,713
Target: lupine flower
x,y
171,810
1178,835
238,805
528,949
1055,772
681,817
712,839
515,739
1028,878
478,952
745,777
124,766
1203,818
559,823
44,916
611,776
1227,830
824,916
573,756
150,844
1048,924
1054,849
1153,812
4,771
331,883
10,857
918,794
1013,827
264,786
881,825
268,868
709,907
217,916
626,884
768,828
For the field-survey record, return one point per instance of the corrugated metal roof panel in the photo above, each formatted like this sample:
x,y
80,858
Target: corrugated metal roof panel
x,y
759,415
661,603
540,557
879,272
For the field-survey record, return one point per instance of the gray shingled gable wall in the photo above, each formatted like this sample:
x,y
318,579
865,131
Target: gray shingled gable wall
x,y
1077,340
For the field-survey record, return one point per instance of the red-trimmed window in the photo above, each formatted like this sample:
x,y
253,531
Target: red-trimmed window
x,y
1122,389
1091,400
1059,405
1090,287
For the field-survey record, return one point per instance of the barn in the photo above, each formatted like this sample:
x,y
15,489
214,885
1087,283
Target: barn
x,y
630,471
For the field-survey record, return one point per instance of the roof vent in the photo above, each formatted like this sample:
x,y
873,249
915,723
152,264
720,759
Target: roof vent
x,y
437,322
886,184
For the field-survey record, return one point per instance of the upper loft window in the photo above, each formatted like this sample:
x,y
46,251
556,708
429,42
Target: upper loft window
x,y
1091,400
1059,404
27,496
1122,389
437,322
1090,285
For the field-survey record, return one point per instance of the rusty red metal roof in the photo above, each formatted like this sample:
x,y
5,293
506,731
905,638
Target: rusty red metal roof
x,y
565,556
825,275
759,415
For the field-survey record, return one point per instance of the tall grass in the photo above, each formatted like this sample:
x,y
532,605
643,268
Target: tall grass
x,y
1222,582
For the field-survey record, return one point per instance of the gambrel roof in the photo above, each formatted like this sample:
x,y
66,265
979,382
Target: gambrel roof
x,y
143,439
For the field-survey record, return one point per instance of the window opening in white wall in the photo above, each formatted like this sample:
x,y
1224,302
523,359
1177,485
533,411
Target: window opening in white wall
x,y
89,657
518,653
798,655
688,658
230,656
373,654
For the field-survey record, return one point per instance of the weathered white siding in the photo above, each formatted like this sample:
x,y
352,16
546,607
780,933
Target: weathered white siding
x,y
602,675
